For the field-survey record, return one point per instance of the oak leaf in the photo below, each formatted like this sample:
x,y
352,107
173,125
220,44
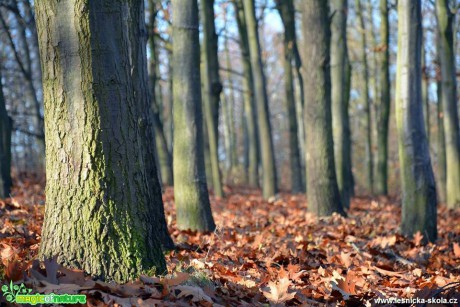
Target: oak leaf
x,y
279,291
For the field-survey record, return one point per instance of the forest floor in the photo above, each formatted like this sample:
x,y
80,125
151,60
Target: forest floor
x,y
262,253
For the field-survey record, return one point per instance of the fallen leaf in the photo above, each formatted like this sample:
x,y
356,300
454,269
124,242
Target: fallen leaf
x,y
456,248
196,293
278,292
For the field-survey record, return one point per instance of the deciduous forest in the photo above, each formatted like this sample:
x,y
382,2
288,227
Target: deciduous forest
x,y
229,152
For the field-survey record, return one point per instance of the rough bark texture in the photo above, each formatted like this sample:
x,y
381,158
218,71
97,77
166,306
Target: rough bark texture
x,y
322,189
269,184
5,145
164,159
340,79
287,13
364,95
98,215
449,102
212,89
418,185
248,95
383,114
190,187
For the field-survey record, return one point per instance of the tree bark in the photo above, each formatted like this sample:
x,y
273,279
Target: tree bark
x,y
190,187
340,77
100,214
248,96
449,103
212,89
322,189
287,13
364,95
5,145
418,185
269,184
383,114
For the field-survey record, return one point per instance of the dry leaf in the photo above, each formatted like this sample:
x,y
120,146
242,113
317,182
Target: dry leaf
x,y
456,248
196,293
278,292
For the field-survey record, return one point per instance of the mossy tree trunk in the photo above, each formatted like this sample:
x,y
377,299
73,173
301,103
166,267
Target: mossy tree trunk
x,y
322,189
163,154
248,96
417,180
383,110
190,187
340,77
449,102
212,89
269,184
5,145
287,13
364,96
101,213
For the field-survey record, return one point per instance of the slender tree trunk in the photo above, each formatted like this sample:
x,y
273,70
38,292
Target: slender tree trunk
x,y
300,103
441,152
269,186
425,98
418,185
190,188
323,192
5,145
100,214
287,13
383,114
364,93
231,113
340,76
248,96
449,103
212,89
163,154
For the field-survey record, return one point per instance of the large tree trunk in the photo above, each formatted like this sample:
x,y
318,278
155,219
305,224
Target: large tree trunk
x,y
383,114
322,189
101,213
418,185
248,96
5,145
287,13
364,95
340,77
164,159
190,187
212,89
449,102
269,184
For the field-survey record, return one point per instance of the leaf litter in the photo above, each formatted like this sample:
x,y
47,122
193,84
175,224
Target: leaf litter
x,y
261,253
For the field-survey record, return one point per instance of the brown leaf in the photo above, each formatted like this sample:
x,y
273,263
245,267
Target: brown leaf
x,y
8,253
456,248
346,259
278,292
196,293
418,237
180,278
